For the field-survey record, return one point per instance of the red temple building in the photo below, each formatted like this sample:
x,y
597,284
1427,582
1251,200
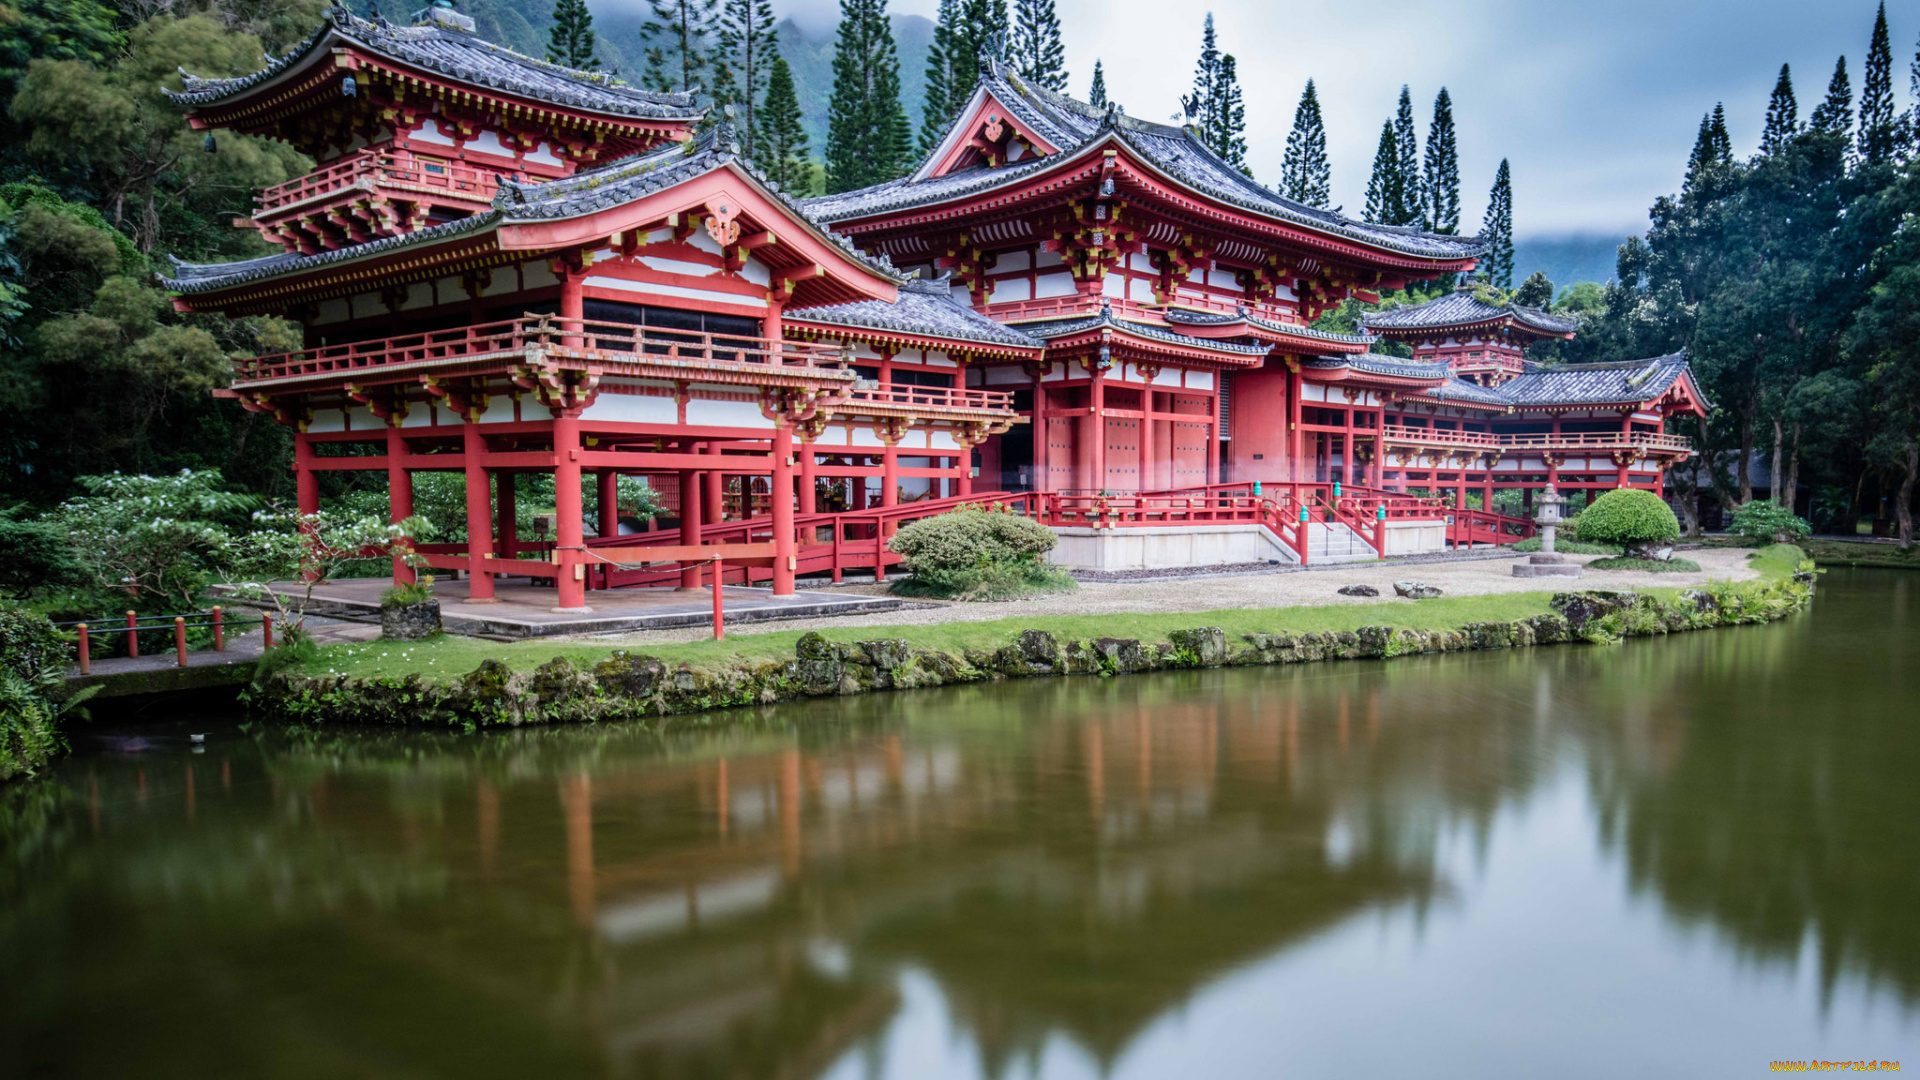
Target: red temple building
x,y
506,266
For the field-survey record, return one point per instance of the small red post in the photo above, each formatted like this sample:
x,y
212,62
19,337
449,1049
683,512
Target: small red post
x,y
219,632
266,627
719,615
86,651
180,639
133,635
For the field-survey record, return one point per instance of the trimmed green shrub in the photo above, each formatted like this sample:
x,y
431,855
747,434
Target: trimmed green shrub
x,y
1651,566
1769,523
1567,546
1628,516
978,555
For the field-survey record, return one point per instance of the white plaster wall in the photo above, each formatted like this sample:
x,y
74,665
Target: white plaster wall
x,y
1415,537
742,414
636,409
328,420
1052,285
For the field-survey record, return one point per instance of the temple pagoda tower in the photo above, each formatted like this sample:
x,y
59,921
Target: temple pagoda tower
x,y
1480,341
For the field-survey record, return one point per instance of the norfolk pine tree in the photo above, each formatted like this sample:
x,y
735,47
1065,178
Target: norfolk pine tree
x,y
743,57
782,142
1783,115
1879,132
960,37
1443,168
1412,208
868,139
1305,175
1835,113
1384,188
677,51
1497,264
1037,53
1097,94
1226,116
570,43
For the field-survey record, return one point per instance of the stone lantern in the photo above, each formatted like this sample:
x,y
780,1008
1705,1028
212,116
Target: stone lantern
x,y
1547,563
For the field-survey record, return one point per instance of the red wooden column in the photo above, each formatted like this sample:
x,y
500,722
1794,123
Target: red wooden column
x,y
809,496
1148,481
1096,448
890,470
608,497
573,274
399,491
781,495
1042,477
1553,467
507,514
1296,438
1213,432
306,485
567,509
715,485
479,513
963,483
690,500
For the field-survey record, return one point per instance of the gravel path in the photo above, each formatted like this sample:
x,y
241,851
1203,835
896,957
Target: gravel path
x,y
1476,577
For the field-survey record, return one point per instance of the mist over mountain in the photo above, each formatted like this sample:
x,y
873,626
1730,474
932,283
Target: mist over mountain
x,y
1566,259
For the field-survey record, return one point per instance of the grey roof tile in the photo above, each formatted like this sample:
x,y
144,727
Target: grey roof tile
x,y
460,56
1070,125
1462,308
1382,364
1057,328
1597,384
925,308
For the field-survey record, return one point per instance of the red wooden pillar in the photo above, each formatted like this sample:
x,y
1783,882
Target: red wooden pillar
x,y
690,500
568,527
479,514
963,483
890,471
399,492
1042,476
781,495
306,485
573,298
608,496
507,513
715,483
809,496
1148,481
1096,450
1213,432
1296,438
1553,467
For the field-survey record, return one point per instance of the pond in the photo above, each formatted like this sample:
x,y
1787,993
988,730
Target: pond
x,y
1690,856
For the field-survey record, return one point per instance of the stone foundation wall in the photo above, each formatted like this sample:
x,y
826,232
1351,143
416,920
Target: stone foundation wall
x,y
629,686
1166,547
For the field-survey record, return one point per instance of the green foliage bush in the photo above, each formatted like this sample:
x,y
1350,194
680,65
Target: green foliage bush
x,y
408,593
1626,516
1768,523
978,555
1651,566
33,663
1567,546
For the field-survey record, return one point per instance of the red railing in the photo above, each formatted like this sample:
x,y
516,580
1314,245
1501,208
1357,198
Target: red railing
x,y
377,168
931,397
1485,527
216,619
514,336
1486,440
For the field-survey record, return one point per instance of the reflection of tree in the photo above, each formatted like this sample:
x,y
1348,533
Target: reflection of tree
x,y
1762,782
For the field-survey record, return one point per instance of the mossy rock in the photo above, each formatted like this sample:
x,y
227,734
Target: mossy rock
x,y
1204,646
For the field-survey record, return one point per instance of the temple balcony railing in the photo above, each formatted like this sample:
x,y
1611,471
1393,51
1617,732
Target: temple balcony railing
x,y
1548,442
611,349
371,170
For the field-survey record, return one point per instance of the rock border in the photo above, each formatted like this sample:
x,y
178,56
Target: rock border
x,y
633,686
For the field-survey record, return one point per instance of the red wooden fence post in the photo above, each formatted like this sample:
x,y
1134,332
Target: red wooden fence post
x,y
219,632
266,626
86,651
719,615
180,639
133,635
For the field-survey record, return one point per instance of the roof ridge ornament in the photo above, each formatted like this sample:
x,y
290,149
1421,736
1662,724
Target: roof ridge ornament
x,y
993,53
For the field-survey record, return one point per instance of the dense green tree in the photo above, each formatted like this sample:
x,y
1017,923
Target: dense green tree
x,y
1206,75
1306,176
1442,167
32,30
782,142
1497,264
744,51
1783,114
1097,93
1412,207
1835,112
1385,188
868,136
961,37
1225,126
679,37
1879,131
1036,50
1535,292
1712,151
571,42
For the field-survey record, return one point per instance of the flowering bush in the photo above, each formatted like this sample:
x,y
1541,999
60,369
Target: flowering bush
x,y
1769,523
285,545
163,535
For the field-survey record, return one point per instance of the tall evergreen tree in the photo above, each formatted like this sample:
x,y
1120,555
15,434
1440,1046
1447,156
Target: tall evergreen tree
x,y
1835,114
782,143
1412,208
1306,176
1712,151
868,139
1913,86
1783,115
960,38
1385,189
1097,93
1037,53
1225,120
1878,133
1206,74
746,46
677,35
570,42
1722,144
1443,168
1497,264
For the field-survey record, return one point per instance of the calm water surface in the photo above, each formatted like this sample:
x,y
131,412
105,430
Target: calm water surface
x,y
1676,858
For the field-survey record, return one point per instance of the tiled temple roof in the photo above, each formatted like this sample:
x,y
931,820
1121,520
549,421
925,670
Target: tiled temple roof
x,y
1186,317
925,309
447,49
1058,328
614,184
1462,308
1459,389
1381,364
1597,384
1070,125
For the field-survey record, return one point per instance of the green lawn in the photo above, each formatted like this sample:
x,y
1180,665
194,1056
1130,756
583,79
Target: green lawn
x,y
1850,553
454,656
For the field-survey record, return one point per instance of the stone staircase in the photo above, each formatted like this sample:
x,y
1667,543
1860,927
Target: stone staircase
x,y
1333,542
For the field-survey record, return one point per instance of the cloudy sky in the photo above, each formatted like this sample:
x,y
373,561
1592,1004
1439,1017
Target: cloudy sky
x,y
1596,104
